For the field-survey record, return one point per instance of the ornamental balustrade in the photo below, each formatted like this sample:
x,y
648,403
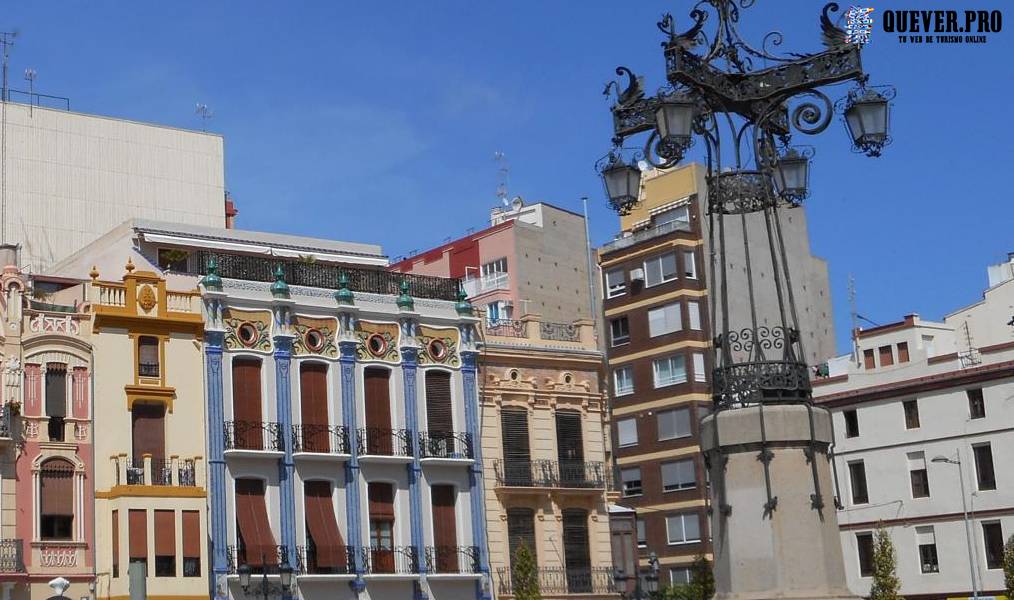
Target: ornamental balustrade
x,y
172,471
253,435
376,441
441,560
12,559
310,563
445,444
561,580
320,439
551,474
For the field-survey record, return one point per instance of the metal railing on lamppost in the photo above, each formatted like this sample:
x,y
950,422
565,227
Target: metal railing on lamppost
x,y
964,510
267,589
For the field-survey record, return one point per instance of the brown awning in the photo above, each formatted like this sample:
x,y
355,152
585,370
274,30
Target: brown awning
x,y
252,518
165,533
381,501
191,534
323,525
56,488
137,530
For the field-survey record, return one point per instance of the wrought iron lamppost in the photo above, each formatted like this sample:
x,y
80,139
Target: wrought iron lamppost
x,y
746,103
266,589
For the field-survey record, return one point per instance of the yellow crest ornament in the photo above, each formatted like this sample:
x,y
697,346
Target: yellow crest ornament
x,y
146,298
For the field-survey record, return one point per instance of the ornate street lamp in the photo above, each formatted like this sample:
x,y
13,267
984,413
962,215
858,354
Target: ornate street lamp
x,y
266,589
792,175
623,183
867,113
674,121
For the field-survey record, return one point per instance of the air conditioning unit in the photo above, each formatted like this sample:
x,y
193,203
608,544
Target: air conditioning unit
x,y
637,275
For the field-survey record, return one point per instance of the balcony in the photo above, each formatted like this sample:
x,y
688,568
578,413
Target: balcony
x,y
12,558
392,445
400,560
244,437
561,580
320,441
270,560
435,446
645,234
531,329
452,560
309,563
507,328
486,283
564,475
173,471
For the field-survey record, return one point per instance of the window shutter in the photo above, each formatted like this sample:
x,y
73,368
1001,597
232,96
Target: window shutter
x,y
381,497
699,373
444,527
165,533
439,417
252,518
576,554
514,423
313,407
148,430
116,541
137,524
56,390
626,431
246,390
694,310
56,488
378,400
322,524
191,534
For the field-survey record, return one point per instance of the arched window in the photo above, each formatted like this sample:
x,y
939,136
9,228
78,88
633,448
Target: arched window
x,y
56,500
147,356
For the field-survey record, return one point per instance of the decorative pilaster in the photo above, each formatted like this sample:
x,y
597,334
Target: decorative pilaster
x,y
286,469
409,366
216,462
347,363
469,359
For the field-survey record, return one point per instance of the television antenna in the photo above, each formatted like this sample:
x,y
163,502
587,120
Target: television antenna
x,y
30,75
503,176
205,114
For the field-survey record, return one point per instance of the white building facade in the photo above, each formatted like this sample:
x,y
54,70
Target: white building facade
x,y
924,426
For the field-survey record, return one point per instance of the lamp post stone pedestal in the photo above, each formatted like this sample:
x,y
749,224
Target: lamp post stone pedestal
x,y
775,535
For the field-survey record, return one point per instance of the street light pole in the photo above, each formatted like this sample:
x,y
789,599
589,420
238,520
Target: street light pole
x,y
964,512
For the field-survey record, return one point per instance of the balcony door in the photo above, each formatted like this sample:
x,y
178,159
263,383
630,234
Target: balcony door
x,y
576,554
378,411
246,404
56,400
570,448
313,407
381,497
445,532
148,437
255,542
521,532
439,416
516,450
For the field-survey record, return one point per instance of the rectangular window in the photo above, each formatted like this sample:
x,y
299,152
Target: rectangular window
x,y
929,345
631,479
911,414
623,381
495,266
927,541
864,544
192,543
700,373
165,543
976,403
660,269
642,535
851,423
670,370
56,399
137,531
918,475
984,474
857,477
679,214
673,423
664,319
683,528
626,431
381,510
886,356
679,576
619,331
992,538
689,264
616,284
903,352
869,362
694,311
116,543
678,475
147,356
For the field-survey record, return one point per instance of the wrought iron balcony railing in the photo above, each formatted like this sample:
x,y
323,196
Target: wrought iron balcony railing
x,y
445,444
267,559
400,559
321,275
147,369
6,422
560,332
551,474
252,435
452,559
561,580
12,559
155,471
314,560
135,471
374,441
322,439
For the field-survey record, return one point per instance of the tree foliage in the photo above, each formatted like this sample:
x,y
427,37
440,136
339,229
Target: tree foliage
x,y
524,575
701,586
1008,566
885,577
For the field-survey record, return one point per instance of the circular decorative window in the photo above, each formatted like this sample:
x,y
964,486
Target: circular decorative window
x,y
314,340
247,334
437,349
567,378
377,345
514,375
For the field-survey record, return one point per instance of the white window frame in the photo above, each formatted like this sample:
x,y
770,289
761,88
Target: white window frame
x,y
694,314
680,484
623,482
613,341
617,390
661,274
671,379
700,371
690,264
676,433
672,578
671,319
619,289
632,423
683,526
641,533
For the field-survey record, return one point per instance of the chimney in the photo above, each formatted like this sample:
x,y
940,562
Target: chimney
x,y
9,255
230,212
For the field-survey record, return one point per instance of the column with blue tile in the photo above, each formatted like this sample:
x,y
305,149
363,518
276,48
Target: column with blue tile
x,y
282,310
347,364
409,365
475,482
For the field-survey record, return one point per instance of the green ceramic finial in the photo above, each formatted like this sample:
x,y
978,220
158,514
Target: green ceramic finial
x,y
463,306
279,289
211,280
344,295
405,301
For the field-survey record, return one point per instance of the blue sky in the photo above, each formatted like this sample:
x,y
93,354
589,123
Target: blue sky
x,y
379,122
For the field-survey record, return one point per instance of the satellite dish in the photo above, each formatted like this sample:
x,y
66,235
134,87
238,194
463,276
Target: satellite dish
x,y
517,203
